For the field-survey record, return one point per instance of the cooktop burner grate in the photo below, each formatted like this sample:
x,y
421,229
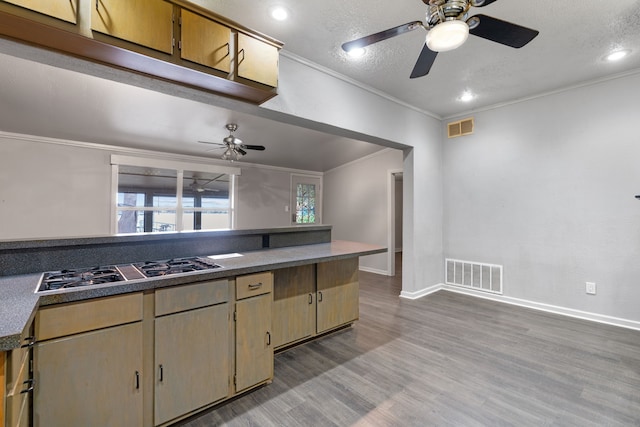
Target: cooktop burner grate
x,y
62,279
80,277
174,266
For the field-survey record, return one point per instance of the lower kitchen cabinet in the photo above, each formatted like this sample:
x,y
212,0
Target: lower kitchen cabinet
x,y
191,350
294,304
254,346
314,299
337,294
90,379
88,363
17,381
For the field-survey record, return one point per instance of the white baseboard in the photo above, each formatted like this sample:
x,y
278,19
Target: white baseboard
x,y
422,292
570,312
374,270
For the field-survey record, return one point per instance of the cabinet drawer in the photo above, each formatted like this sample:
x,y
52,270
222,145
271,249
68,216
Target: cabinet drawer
x,y
60,320
254,284
188,297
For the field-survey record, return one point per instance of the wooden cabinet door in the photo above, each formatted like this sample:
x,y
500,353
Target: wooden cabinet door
x,y
254,349
145,22
205,42
191,361
90,379
294,304
67,10
337,294
257,60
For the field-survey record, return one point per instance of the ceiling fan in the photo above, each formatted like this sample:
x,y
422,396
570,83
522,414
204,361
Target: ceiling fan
x,y
233,147
198,187
448,26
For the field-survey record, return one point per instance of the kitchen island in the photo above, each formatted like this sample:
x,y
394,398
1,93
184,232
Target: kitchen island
x,y
239,299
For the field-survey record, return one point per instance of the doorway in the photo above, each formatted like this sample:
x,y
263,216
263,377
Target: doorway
x,y
394,229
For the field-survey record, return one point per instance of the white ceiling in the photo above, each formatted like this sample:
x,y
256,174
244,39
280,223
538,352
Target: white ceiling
x,y
575,35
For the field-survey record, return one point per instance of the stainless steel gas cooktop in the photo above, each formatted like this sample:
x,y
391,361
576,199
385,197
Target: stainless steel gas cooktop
x,y
54,280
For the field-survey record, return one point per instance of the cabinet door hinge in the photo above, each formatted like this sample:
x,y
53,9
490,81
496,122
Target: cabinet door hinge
x,y
235,380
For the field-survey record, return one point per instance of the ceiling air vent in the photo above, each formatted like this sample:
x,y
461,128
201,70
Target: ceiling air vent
x,y
459,128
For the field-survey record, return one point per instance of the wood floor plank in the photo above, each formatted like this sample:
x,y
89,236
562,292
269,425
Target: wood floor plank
x,y
448,360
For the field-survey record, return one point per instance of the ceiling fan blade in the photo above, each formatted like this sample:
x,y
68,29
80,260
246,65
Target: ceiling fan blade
x,y
481,3
209,142
253,147
424,63
382,35
500,31
241,151
214,149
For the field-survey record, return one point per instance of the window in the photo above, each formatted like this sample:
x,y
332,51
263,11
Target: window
x,y
159,199
306,203
305,199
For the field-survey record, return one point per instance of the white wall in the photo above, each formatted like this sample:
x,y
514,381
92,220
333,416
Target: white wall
x,y
355,203
546,188
263,195
306,93
49,189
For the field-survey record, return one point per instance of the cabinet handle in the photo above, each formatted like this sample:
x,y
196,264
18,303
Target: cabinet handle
x,y
137,380
97,4
31,383
310,298
319,296
241,51
30,342
268,339
255,286
161,373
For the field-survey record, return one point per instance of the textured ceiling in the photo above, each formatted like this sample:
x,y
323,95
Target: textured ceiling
x,y
575,35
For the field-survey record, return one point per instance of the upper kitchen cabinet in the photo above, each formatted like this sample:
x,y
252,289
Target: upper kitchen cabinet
x,y
224,45
215,54
205,41
67,10
257,60
147,23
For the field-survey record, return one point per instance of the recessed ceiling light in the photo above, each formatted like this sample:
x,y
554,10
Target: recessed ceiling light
x,y
279,13
356,52
466,96
618,55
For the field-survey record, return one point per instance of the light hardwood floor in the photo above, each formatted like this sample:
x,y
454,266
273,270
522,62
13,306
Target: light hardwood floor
x,y
448,360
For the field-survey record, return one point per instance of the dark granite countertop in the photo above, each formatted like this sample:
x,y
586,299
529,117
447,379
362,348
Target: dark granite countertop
x,y
19,301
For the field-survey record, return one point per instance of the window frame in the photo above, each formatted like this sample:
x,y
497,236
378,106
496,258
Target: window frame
x,y
180,167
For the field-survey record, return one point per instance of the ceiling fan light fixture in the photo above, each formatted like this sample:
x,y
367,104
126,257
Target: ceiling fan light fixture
x,y
447,35
356,52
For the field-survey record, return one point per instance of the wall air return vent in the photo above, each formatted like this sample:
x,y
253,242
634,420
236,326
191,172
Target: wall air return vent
x,y
460,128
474,275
